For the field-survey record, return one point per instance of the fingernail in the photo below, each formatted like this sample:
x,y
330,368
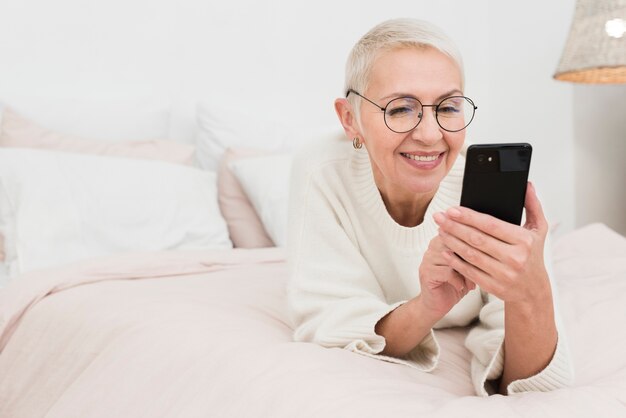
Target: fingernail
x,y
454,212
439,218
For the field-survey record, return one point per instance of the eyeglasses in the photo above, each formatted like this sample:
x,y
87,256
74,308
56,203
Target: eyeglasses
x,y
403,114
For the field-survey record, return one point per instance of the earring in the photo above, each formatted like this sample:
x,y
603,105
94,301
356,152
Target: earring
x,y
356,143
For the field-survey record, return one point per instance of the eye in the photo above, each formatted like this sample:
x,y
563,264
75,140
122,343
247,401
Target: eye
x,y
397,112
402,107
448,109
451,106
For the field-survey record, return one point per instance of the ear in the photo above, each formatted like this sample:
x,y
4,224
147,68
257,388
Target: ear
x,y
347,117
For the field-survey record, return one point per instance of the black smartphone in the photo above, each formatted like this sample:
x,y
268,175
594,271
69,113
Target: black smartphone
x,y
495,179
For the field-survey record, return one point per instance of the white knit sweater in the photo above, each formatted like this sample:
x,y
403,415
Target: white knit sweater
x,y
351,264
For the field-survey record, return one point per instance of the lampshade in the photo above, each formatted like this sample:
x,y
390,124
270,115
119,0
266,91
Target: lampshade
x,y
595,51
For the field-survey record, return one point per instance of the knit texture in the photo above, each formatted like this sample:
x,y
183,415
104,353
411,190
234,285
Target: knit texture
x,y
351,264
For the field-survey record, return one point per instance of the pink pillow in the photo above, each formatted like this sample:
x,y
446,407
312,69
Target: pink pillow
x,y
244,226
19,132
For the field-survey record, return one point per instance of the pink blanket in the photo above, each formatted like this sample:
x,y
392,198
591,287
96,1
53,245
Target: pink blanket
x,y
199,334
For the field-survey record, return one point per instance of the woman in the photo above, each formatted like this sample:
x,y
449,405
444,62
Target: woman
x,y
375,228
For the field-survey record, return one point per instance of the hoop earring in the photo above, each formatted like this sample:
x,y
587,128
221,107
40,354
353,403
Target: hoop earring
x,y
356,143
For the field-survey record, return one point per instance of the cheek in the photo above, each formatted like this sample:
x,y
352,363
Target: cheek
x,y
380,143
455,142
383,154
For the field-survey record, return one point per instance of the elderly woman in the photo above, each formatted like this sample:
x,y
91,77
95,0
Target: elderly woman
x,y
379,250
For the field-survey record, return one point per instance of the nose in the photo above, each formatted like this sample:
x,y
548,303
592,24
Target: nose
x,y
428,130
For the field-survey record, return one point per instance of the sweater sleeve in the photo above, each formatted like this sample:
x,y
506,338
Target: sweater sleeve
x,y
486,343
334,298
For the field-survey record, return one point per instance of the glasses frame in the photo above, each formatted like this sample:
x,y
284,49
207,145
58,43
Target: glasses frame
x,y
435,106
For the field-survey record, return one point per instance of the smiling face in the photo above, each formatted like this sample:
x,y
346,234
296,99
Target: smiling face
x,y
409,166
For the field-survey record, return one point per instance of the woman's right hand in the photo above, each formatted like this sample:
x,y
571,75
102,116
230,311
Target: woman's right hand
x,y
406,326
441,286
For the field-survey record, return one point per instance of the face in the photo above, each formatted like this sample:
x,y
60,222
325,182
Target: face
x,y
412,163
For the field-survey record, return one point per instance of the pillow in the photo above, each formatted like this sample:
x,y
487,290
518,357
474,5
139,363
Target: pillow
x,y
221,127
266,183
59,207
16,131
244,226
247,125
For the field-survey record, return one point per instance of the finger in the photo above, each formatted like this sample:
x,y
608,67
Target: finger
x,y
470,285
457,281
439,275
436,258
475,238
490,225
443,275
472,255
472,273
535,219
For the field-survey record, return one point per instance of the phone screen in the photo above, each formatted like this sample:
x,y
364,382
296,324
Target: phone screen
x,y
495,179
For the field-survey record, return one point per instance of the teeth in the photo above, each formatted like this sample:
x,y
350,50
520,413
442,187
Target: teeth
x,y
421,157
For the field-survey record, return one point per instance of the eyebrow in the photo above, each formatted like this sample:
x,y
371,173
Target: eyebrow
x,y
397,95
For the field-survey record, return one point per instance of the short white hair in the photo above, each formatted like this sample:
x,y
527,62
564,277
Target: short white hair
x,y
389,35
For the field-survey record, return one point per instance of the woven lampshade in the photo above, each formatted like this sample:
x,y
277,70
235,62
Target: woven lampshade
x,y
595,51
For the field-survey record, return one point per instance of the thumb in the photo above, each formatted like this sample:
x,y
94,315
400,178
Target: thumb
x,y
535,219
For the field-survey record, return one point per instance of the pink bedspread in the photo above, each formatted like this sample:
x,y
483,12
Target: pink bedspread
x,y
204,334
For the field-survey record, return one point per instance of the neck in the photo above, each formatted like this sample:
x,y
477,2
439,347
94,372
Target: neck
x,y
406,208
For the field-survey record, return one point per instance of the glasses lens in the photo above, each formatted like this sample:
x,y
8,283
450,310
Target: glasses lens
x,y
403,114
455,113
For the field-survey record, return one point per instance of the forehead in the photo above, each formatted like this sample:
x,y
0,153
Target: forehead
x,y
419,71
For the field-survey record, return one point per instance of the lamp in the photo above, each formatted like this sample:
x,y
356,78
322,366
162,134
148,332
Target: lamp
x,y
595,51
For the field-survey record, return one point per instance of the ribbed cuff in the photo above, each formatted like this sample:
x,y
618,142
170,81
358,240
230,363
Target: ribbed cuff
x,y
557,374
481,375
424,357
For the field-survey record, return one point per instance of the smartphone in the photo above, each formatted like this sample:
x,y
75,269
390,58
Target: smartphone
x,y
495,179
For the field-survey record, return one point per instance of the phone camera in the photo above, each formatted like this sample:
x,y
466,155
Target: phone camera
x,y
481,158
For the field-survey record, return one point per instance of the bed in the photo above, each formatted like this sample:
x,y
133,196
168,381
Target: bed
x,y
123,321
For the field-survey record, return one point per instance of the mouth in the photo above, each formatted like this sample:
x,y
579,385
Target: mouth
x,y
422,157
423,160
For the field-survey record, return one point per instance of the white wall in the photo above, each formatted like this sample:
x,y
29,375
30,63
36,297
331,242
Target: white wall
x,y
282,52
526,40
600,155
290,56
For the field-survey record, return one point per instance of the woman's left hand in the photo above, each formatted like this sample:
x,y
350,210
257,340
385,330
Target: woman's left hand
x,y
505,260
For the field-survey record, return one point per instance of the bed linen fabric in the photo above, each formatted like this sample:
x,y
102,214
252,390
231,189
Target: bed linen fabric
x,y
58,207
4,275
244,226
225,125
265,180
203,333
222,126
19,132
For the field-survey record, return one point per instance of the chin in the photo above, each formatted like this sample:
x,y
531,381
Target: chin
x,y
424,186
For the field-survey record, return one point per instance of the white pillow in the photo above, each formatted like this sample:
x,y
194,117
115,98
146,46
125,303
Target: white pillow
x,y
58,207
250,125
221,126
266,183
